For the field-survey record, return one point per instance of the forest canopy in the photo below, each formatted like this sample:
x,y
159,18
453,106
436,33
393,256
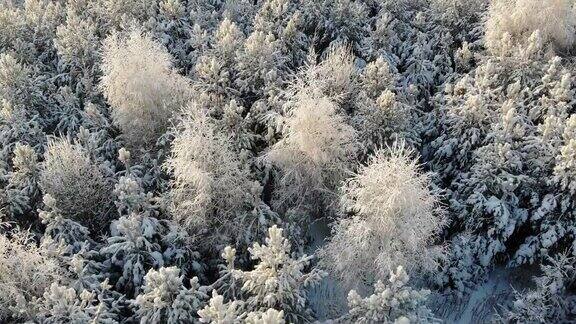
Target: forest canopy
x,y
286,161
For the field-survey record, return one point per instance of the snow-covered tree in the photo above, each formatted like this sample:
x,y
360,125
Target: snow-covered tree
x,y
512,22
22,188
496,186
15,80
173,29
383,121
77,43
284,20
115,14
315,152
392,302
278,281
133,248
395,220
31,27
60,229
214,69
78,184
260,64
340,21
61,304
548,301
26,270
218,311
463,120
142,87
336,76
462,17
165,299
212,188
20,104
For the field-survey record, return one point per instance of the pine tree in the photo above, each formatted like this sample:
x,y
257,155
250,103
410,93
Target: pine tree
x,y
275,288
164,298
392,302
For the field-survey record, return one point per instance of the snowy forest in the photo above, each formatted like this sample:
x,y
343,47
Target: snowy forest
x,y
287,161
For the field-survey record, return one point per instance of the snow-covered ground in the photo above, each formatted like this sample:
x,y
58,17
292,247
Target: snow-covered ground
x,y
485,300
